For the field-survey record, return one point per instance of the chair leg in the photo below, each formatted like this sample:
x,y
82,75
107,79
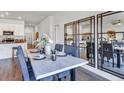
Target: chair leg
x,y
62,79
65,78
113,62
59,79
72,75
12,55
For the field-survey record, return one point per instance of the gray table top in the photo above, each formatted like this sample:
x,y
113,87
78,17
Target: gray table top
x,y
47,67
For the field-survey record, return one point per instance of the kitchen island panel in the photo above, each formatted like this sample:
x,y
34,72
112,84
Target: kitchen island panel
x,y
6,49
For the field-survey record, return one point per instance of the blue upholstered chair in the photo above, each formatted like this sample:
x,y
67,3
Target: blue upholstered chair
x,y
23,66
27,75
27,60
59,47
69,50
61,76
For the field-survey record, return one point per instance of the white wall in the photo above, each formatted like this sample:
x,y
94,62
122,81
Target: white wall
x,y
65,17
48,25
30,31
13,25
45,26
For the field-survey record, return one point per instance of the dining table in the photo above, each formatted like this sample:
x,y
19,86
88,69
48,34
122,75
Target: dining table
x,y
46,67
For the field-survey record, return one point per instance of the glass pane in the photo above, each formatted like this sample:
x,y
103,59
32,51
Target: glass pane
x,y
83,53
69,39
84,27
86,39
112,44
69,29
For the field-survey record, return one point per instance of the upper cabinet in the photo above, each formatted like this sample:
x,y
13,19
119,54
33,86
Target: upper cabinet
x,y
12,25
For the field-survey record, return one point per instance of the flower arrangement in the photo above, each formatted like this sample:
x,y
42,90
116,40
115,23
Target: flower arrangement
x,y
45,39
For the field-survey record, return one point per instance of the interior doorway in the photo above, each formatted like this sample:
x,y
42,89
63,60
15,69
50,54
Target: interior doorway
x,y
29,40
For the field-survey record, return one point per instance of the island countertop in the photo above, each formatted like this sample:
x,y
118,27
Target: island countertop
x,y
11,43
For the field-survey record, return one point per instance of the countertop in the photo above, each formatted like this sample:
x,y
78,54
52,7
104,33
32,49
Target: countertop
x,y
12,43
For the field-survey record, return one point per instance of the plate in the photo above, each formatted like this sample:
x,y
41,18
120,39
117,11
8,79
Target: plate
x,y
61,54
34,51
39,57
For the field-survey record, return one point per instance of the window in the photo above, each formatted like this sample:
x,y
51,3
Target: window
x,y
110,30
80,33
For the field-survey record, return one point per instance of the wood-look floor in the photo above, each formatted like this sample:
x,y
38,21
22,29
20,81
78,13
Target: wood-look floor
x,y
9,71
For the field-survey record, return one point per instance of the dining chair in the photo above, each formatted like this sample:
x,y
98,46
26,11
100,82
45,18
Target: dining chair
x,y
13,53
59,47
23,66
90,50
61,76
27,60
69,50
26,74
108,52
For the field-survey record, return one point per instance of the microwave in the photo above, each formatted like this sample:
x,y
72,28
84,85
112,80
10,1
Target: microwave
x,y
8,32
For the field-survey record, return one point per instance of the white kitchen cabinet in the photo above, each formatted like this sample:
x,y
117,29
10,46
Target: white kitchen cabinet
x,y
6,49
12,25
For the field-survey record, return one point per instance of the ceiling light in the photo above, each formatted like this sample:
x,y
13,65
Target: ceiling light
x,y
6,13
2,15
117,22
19,17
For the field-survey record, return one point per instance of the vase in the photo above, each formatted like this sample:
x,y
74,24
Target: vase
x,y
48,50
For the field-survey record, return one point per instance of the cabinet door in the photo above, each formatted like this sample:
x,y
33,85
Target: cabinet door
x,y
19,30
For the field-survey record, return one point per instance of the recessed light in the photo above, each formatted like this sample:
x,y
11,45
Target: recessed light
x,y
2,15
6,13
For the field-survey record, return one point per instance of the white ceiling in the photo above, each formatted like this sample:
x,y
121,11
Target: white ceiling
x,y
30,17
111,18
35,17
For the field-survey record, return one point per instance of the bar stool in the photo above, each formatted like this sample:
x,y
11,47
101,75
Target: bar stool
x,y
13,52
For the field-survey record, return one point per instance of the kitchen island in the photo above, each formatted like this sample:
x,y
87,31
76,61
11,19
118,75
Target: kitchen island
x,y
6,49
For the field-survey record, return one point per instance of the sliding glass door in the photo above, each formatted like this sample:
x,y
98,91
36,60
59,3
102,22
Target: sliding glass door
x,y
110,40
86,45
110,26
80,34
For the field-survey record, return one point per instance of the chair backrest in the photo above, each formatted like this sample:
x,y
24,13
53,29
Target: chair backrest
x,y
22,64
91,46
59,47
21,50
70,50
107,50
90,49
